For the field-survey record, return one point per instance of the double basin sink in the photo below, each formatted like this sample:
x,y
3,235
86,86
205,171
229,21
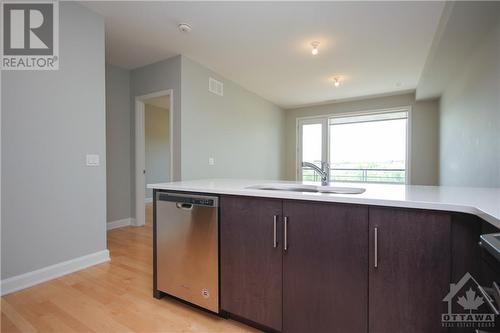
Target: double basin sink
x,y
307,188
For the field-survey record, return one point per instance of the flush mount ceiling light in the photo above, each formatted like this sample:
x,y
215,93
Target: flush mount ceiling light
x,y
184,28
336,82
315,46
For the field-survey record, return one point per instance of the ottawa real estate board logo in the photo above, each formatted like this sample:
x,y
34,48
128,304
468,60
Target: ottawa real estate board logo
x,y
30,35
467,304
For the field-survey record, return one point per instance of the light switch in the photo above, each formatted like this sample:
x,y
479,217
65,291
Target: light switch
x,y
211,161
92,160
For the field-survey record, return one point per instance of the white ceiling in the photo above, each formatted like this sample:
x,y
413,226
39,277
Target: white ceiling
x,y
376,47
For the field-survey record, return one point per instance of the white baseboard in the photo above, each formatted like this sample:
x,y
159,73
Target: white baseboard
x,y
32,278
133,222
120,223
148,200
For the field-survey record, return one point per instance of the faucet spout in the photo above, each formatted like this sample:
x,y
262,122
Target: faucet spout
x,y
324,171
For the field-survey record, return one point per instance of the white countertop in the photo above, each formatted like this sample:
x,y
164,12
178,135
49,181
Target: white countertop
x,y
483,202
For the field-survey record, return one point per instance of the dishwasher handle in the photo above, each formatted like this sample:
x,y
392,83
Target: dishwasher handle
x,y
187,201
184,206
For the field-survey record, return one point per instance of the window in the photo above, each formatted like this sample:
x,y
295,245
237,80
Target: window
x,y
369,148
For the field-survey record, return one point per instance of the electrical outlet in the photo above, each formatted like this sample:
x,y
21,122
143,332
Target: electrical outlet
x,y
211,161
92,160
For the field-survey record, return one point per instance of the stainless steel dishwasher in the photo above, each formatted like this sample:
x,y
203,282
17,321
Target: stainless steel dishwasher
x,y
187,256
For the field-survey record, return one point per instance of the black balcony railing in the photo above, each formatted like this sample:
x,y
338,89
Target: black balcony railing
x,y
396,176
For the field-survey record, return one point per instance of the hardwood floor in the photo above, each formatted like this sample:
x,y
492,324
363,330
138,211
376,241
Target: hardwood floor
x,y
112,297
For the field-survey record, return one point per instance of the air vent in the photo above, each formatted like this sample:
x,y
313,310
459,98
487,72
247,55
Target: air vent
x,y
215,87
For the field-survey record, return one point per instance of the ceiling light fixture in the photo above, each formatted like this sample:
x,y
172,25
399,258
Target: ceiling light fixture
x,y
184,27
314,45
336,82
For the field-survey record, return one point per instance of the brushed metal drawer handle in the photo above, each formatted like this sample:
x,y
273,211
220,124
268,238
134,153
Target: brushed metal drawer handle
x,y
285,233
275,240
375,237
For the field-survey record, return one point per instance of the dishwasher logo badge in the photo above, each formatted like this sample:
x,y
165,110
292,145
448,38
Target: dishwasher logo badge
x,y
205,293
467,306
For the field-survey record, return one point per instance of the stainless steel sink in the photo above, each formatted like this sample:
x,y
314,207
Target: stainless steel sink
x,y
307,188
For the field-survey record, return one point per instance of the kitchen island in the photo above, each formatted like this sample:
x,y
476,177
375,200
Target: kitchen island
x,y
378,261
480,201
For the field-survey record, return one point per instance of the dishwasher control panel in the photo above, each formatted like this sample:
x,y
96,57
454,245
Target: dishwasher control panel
x,y
193,200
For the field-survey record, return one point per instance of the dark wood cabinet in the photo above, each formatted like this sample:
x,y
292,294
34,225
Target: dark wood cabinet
x,y
325,268
410,261
251,265
346,268
466,258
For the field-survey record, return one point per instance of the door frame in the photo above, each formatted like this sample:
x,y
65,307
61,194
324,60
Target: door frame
x,y
140,150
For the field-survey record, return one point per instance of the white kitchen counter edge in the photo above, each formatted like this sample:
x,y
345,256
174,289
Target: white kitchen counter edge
x,y
211,186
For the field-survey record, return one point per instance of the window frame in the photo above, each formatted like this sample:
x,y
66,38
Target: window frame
x,y
324,144
324,119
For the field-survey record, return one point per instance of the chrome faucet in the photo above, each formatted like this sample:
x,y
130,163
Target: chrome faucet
x,y
324,171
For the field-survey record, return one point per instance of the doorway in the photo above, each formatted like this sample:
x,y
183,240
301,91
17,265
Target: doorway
x,y
153,147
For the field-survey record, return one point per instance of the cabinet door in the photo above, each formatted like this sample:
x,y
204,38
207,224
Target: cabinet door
x,y
325,268
409,270
251,265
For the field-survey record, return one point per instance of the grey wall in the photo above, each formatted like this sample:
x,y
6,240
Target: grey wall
x,y
425,143
462,25
118,143
157,141
424,131
163,75
53,206
242,131
470,118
